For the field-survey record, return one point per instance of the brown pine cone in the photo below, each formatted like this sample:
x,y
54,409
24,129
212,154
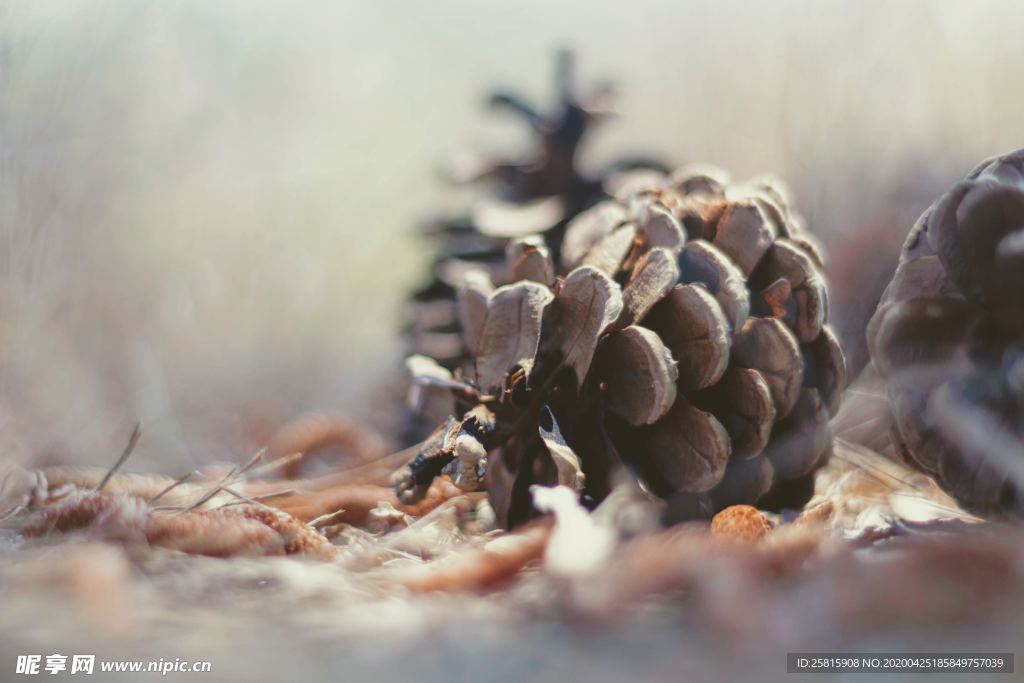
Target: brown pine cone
x,y
948,338
686,347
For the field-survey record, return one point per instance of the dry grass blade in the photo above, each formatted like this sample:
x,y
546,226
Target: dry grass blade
x,y
133,440
227,478
276,463
173,485
254,500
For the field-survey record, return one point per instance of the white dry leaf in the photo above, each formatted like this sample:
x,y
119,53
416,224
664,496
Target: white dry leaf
x,y
578,545
511,332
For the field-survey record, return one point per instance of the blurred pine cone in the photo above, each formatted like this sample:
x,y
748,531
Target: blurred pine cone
x,y
686,347
948,338
535,194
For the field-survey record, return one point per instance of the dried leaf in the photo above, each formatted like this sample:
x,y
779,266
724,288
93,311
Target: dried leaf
x,y
640,375
587,304
654,275
508,220
691,324
494,564
589,228
511,332
566,461
689,448
471,296
767,345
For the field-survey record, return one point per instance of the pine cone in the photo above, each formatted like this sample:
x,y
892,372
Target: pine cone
x,y
537,194
948,338
686,346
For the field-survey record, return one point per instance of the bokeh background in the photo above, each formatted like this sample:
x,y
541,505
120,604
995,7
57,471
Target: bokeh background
x,y
207,208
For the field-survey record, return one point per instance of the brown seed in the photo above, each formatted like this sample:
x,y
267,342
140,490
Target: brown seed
x,y
740,522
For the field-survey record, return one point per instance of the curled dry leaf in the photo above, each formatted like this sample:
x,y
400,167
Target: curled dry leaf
x,y
298,538
489,567
214,533
640,375
511,332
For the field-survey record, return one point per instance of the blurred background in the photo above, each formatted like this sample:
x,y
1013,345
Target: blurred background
x,y
207,209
